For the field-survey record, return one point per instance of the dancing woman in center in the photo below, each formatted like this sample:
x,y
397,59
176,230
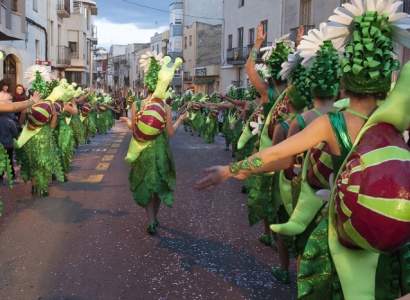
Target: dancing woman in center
x,y
152,176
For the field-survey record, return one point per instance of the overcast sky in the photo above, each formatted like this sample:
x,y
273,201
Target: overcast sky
x,y
124,22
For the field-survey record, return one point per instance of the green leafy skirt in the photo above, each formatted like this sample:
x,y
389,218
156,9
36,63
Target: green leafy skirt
x,y
154,173
39,158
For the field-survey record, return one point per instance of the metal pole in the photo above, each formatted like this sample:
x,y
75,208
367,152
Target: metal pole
x,y
91,66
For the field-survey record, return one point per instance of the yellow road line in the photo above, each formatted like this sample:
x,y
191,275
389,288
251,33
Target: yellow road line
x,y
112,151
107,157
102,166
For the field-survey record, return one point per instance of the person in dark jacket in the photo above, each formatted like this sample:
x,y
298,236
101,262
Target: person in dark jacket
x,y
8,131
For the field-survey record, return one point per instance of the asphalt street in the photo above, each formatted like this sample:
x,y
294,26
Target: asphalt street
x,y
88,239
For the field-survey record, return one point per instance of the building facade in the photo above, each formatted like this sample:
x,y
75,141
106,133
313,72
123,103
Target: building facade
x,y
54,33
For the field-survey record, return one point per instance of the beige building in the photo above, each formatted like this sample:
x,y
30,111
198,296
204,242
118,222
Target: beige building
x,y
201,50
55,33
239,35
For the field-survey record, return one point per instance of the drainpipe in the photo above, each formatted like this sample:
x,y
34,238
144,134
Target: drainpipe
x,y
32,22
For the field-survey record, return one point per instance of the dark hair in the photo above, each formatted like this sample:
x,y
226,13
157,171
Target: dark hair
x,y
4,82
360,96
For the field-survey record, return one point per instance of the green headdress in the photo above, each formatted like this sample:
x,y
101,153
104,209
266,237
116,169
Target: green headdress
x,y
276,55
296,74
323,75
151,62
320,57
231,91
38,76
214,98
370,29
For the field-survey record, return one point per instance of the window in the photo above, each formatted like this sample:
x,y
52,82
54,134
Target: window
x,y
240,37
305,12
52,33
35,5
230,41
178,21
38,49
185,42
241,3
14,6
265,29
251,36
190,40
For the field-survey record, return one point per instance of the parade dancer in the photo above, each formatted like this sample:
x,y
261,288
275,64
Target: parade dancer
x,y
152,175
364,140
36,149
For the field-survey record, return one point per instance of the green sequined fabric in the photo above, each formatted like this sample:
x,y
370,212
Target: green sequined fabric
x,y
260,202
92,121
105,121
248,149
5,163
64,136
317,272
78,130
211,130
154,173
39,158
228,134
198,122
236,133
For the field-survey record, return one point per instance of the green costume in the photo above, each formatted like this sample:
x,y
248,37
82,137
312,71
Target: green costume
x,y
39,158
64,136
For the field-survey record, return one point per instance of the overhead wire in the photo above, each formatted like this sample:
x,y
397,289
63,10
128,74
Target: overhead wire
x,y
166,11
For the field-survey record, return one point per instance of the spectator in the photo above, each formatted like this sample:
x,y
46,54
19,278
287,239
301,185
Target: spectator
x,y
8,131
19,96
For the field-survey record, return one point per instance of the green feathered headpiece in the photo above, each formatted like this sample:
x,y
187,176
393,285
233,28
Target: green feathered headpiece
x,y
240,93
231,91
323,75
368,62
275,60
40,86
214,98
296,74
151,77
371,30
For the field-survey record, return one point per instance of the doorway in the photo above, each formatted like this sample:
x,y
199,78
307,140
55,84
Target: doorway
x,y
9,72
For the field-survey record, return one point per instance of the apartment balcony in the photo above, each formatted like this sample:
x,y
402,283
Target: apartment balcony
x,y
90,3
63,8
64,58
237,56
294,31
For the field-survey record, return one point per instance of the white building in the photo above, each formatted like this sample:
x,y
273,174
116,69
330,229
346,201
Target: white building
x,y
56,33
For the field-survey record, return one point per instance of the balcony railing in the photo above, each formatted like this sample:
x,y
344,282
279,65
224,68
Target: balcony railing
x,y
294,31
237,56
63,8
63,55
